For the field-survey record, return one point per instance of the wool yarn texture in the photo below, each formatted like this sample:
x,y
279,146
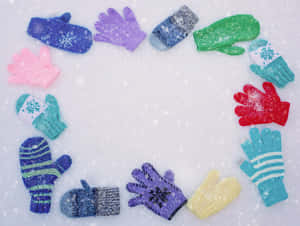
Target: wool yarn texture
x,y
265,166
173,29
39,172
213,195
223,34
157,193
100,201
43,115
29,69
59,33
261,108
117,30
269,64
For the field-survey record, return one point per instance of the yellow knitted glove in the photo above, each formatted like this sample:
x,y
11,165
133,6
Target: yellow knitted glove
x,y
212,195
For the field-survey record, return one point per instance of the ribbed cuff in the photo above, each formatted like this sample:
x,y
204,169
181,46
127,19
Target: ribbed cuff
x,y
107,201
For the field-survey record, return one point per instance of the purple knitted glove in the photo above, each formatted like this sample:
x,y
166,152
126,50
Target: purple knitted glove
x,y
157,193
114,29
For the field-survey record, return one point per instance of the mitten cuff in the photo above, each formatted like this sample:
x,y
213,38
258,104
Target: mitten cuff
x,y
272,191
282,113
135,41
40,204
52,129
107,201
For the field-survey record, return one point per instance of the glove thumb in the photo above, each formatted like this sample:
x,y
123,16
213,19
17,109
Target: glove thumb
x,y
169,176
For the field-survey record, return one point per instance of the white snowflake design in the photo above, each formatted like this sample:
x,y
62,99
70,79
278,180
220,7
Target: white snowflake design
x,y
67,40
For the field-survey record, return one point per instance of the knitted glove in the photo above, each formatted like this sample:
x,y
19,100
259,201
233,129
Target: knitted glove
x,y
259,107
29,69
157,193
59,33
90,201
269,65
265,166
173,29
221,35
43,115
213,195
120,31
39,172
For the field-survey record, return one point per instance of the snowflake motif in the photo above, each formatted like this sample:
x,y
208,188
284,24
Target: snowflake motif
x,y
267,53
67,40
32,106
159,196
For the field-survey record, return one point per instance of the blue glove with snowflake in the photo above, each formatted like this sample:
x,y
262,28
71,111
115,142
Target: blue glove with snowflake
x,y
43,115
269,64
265,166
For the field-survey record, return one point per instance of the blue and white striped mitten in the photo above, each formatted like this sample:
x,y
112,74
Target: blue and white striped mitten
x,y
265,166
269,64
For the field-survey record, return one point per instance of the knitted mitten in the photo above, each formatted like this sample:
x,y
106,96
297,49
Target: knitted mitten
x,y
115,29
157,193
39,172
90,201
59,33
44,115
213,195
269,64
173,29
265,166
29,69
221,35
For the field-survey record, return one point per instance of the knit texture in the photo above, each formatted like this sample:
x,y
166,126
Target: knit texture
x,y
90,201
265,167
213,195
260,108
43,115
117,30
59,33
269,64
221,35
39,172
28,69
173,29
157,193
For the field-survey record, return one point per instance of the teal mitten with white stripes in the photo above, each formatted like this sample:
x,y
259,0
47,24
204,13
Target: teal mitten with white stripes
x,y
269,64
265,166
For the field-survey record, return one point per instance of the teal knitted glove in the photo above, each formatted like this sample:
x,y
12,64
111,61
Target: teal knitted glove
x,y
44,115
269,65
266,167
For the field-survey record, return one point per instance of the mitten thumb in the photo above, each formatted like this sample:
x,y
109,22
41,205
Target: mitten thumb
x,y
53,108
232,50
63,163
66,17
257,70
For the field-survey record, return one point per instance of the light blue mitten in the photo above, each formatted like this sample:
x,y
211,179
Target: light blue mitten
x,y
265,166
43,115
269,64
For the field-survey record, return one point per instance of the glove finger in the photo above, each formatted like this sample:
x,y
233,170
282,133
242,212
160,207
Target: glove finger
x,y
241,98
242,110
151,172
252,92
102,17
266,137
140,176
276,140
253,118
136,201
136,188
255,137
129,15
100,38
248,148
270,89
114,16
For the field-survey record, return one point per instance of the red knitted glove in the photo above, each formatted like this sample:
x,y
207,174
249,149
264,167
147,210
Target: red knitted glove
x,y
259,107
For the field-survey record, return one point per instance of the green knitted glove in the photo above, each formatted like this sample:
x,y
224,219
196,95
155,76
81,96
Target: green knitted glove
x,y
221,35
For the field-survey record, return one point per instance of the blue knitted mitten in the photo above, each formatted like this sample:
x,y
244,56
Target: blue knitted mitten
x,y
269,65
43,115
39,172
266,167
90,201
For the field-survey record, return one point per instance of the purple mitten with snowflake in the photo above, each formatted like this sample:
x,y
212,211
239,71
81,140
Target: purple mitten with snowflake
x,y
157,193
115,29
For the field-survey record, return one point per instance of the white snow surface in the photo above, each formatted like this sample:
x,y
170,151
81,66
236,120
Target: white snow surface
x,y
174,109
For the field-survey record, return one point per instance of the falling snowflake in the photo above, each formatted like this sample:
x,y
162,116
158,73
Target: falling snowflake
x,y
267,53
32,106
67,40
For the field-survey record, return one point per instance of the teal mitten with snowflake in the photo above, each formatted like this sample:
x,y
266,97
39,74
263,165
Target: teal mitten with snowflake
x,y
43,115
265,166
269,64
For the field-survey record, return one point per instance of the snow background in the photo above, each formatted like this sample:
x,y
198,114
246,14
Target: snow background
x,y
173,109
